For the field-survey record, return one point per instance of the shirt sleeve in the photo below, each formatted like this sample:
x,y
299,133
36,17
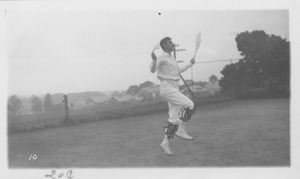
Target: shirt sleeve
x,y
183,69
153,66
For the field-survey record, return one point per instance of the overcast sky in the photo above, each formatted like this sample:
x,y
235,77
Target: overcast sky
x,y
76,51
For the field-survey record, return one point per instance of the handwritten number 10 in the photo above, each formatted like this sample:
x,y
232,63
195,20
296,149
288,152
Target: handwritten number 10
x,y
32,156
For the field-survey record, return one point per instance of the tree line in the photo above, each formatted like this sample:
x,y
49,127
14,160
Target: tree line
x,y
15,103
134,89
264,69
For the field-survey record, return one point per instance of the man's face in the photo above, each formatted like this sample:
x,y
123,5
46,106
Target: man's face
x,y
170,45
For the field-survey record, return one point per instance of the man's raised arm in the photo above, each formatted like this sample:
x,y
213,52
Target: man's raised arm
x,y
153,63
183,69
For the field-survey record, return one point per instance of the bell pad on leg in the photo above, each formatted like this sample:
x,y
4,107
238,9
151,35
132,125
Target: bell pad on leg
x,y
171,129
185,114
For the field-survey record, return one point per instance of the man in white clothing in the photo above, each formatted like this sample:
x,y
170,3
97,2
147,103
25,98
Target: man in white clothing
x,y
180,106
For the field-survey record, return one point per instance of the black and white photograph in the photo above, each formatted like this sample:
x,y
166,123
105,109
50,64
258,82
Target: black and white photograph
x,y
150,88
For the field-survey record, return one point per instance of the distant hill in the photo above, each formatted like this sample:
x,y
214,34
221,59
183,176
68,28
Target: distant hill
x,y
75,97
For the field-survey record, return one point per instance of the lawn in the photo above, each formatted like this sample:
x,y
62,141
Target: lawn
x,y
234,133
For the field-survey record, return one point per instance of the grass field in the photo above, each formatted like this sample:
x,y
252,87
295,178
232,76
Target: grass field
x,y
234,133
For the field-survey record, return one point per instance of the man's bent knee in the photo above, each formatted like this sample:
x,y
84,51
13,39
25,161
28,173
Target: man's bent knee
x,y
191,105
188,103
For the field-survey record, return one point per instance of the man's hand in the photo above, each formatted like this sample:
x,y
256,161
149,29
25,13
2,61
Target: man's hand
x,y
192,61
154,58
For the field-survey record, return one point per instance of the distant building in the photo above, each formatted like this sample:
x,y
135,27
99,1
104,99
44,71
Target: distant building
x,y
199,91
213,87
97,100
123,97
112,101
127,98
209,89
150,92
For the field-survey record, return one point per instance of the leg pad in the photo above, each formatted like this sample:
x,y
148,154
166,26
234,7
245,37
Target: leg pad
x,y
185,114
171,129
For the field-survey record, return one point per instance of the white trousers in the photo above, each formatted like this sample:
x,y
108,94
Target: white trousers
x,y
169,90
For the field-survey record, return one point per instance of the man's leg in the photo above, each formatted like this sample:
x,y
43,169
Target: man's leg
x,y
183,110
171,128
181,132
176,100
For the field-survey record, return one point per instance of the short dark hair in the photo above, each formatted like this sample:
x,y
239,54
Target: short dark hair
x,y
163,41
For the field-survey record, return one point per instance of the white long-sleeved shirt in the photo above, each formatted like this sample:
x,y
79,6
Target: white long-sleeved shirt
x,y
167,68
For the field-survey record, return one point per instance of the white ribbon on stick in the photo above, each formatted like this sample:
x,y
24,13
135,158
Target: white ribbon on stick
x,y
197,42
155,47
197,45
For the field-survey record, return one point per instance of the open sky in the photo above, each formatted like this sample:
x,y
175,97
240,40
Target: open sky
x,y
75,51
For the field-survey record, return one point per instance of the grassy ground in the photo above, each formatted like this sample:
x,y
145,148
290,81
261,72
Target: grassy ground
x,y
235,133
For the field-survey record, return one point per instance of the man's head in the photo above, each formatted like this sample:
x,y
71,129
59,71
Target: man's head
x,y
167,45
